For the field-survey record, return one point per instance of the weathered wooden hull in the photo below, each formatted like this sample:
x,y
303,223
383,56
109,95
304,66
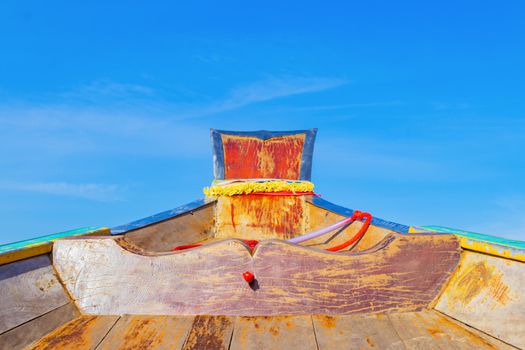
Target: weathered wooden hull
x,y
397,287
78,301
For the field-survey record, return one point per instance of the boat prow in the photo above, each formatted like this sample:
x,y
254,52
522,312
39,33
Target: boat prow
x,y
262,262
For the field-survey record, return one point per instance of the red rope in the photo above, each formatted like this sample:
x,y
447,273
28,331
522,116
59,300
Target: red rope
x,y
282,193
356,216
250,242
188,246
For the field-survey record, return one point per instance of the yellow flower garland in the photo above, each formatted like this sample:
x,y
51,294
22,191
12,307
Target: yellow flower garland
x,y
247,187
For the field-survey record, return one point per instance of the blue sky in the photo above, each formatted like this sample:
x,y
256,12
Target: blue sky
x,y
105,107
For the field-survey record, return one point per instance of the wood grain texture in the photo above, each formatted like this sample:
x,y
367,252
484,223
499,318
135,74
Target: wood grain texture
x,y
425,329
205,280
428,330
278,332
31,331
210,332
84,332
403,273
28,288
260,217
250,157
356,332
486,292
148,332
188,228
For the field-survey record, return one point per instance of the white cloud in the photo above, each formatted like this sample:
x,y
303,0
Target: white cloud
x,y
90,191
117,118
266,90
348,106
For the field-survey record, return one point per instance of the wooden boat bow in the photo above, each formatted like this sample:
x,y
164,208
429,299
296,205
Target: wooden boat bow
x,y
236,281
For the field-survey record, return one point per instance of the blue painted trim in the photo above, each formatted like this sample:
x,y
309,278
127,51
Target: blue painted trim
x,y
218,154
478,236
306,157
317,201
165,215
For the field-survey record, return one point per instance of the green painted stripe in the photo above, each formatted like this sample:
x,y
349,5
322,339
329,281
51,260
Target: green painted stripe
x,y
9,247
477,236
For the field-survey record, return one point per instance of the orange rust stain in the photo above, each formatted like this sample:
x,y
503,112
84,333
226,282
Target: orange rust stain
x,y
478,279
209,332
498,290
434,331
232,214
141,334
328,321
453,327
274,331
249,157
261,216
74,334
370,342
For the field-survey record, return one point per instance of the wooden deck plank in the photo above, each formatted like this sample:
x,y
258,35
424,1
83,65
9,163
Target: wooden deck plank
x,y
30,332
413,334
148,332
278,332
210,332
428,330
84,332
356,332
417,330
28,288
465,337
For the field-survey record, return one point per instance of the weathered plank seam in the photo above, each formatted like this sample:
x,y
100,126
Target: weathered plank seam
x,y
315,334
109,331
468,328
395,330
34,318
233,332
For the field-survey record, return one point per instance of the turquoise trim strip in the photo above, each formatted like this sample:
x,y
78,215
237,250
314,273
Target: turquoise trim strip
x,y
477,236
11,247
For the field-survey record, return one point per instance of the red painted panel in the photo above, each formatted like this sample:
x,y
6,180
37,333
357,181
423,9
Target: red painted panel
x,y
249,157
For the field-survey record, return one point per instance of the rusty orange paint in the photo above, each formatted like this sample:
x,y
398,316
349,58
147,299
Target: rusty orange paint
x,y
142,335
259,217
443,327
148,332
210,332
498,290
328,321
250,157
84,332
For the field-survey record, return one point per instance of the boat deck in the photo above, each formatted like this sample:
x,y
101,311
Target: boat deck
x,y
415,330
